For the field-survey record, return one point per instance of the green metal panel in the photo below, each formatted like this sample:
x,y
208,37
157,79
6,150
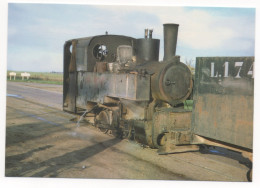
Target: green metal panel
x,y
223,99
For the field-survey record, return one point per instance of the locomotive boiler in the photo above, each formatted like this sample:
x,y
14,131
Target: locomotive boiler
x,y
119,85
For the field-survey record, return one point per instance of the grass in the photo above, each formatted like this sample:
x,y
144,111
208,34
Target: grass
x,y
38,77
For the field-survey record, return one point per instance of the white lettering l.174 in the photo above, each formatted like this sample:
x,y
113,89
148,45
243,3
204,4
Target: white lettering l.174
x,y
226,70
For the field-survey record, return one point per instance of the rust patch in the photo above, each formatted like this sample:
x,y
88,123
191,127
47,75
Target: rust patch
x,y
225,118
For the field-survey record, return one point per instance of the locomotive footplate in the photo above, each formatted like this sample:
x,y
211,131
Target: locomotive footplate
x,y
171,148
176,142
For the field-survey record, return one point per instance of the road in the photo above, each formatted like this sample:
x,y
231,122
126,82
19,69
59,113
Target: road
x,y
42,141
48,94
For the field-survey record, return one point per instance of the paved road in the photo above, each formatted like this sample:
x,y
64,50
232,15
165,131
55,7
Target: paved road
x,y
42,142
50,95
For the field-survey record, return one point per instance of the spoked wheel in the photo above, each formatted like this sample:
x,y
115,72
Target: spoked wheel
x,y
103,121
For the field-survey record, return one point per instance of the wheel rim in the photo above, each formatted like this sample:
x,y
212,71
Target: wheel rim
x,y
103,119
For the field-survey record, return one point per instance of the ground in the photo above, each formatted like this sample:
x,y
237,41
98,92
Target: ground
x,y
43,141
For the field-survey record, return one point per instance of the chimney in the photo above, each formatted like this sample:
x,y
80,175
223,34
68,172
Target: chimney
x,y
170,40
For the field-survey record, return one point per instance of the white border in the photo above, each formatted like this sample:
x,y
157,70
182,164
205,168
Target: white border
x,y
49,182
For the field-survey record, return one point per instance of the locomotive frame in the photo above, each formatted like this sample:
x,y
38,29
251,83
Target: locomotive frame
x,y
119,85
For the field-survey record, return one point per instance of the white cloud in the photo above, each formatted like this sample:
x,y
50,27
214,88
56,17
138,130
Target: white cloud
x,y
199,29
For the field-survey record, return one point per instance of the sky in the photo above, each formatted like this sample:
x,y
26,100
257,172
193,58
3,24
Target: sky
x,y
37,32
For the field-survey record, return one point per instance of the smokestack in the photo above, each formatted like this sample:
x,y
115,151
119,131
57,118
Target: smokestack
x,y
170,40
145,33
150,33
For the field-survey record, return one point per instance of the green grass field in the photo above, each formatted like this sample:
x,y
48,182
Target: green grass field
x,y
38,77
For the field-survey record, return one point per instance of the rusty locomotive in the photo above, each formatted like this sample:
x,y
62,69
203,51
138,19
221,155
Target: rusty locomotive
x,y
119,85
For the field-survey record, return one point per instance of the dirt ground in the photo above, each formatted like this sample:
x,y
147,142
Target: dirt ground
x,y
39,146
42,141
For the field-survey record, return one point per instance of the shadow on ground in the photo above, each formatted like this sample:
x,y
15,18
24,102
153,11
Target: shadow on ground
x,y
51,167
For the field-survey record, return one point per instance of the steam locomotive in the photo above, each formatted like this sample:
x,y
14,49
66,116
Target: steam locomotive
x,y
119,85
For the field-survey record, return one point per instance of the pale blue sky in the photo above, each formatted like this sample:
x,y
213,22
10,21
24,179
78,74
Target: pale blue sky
x,y
37,32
